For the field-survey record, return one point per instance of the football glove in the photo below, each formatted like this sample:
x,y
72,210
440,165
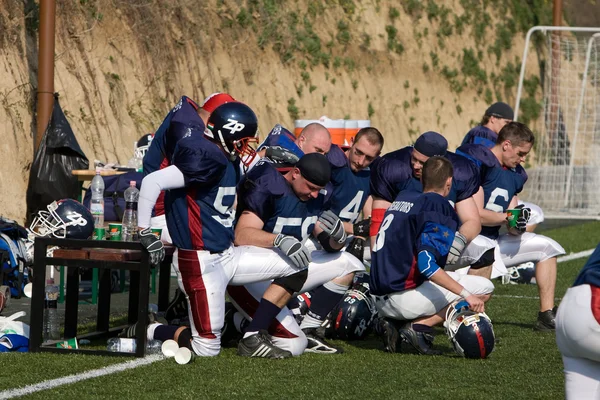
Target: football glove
x,y
294,249
279,154
153,245
523,218
458,245
362,228
333,226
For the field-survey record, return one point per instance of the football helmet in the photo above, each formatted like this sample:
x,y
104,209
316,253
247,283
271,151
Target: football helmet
x,y
234,127
143,145
471,334
523,273
65,218
352,318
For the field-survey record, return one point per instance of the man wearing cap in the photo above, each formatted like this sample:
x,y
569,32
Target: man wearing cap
x,y
486,134
496,116
407,275
400,171
276,213
185,117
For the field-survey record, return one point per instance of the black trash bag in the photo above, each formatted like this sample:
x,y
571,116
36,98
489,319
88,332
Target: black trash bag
x,y
59,153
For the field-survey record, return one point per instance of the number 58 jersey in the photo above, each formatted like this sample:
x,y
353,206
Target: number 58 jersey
x,y
265,192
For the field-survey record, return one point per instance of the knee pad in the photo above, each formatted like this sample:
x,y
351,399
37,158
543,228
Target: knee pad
x,y
185,339
293,283
485,260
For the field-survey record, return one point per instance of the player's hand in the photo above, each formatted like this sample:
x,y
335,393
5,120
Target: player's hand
x,y
356,247
294,249
279,154
333,226
475,303
153,245
458,245
362,228
523,218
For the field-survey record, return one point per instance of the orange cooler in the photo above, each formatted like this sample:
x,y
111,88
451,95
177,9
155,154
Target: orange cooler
x,y
350,130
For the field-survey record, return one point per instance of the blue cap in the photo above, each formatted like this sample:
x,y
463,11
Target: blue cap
x,y
431,144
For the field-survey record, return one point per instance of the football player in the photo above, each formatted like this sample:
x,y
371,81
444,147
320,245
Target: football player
x,y
200,185
410,250
185,116
578,332
401,170
278,212
502,178
486,133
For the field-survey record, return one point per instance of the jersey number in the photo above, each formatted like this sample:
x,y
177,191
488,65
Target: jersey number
x,y
491,204
226,210
351,211
379,242
304,225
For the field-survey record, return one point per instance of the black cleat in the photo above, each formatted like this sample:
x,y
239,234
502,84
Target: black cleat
x,y
318,344
177,308
131,330
546,321
259,345
229,332
388,332
420,341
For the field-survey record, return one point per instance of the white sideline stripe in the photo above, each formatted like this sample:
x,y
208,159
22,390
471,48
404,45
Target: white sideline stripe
x,y
575,256
510,296
65,380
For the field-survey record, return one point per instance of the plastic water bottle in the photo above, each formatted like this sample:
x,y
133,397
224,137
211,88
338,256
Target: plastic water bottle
x,y
51,323
97,203
130,222
126,345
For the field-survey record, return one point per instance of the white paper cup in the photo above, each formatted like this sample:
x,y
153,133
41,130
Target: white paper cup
x,y
169,348
184,356
28,289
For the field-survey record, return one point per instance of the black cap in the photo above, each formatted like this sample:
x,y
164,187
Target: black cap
x,y
431,144
500,110
315,168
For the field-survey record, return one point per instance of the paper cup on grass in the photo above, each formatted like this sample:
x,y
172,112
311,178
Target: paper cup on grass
x,y
184,356
169,348
28,289
68,344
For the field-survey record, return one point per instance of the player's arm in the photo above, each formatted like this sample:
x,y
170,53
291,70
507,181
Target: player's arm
x,y
514,202
488,217
152,184
468,213
368,208
333,237
441,278
379,208
249,231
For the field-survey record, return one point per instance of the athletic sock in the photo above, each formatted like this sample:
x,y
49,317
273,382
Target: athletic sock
x,y
163,332
323,299
262,318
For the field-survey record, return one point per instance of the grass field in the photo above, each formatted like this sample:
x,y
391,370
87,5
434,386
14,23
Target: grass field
x,y
525,365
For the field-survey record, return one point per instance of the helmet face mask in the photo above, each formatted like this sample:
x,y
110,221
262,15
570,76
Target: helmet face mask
x,y
471,334
65,218
142,146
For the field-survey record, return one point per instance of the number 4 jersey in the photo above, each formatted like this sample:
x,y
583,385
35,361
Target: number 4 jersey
x,y
414,222
499,184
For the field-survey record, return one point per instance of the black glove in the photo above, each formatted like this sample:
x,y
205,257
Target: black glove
x,y
294,249
458,245
279,154
356,247
362,228
523,218
153,245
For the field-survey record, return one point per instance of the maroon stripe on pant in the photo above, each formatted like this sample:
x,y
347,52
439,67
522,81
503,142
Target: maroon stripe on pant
x,y
242,297
193,283
595,302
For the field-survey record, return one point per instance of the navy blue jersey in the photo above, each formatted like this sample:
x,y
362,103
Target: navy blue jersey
x,y
499,184
265,192
413,223
392,174
281,137
481,135
590,274
200,215
183,118
349,189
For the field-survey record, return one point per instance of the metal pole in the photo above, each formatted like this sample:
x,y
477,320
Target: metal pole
x,y
45,90
557,13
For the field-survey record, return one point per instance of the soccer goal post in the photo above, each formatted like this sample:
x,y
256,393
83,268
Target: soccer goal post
x,y
564,177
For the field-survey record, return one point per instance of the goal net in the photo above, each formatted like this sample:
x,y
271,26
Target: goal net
x,y
564,177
